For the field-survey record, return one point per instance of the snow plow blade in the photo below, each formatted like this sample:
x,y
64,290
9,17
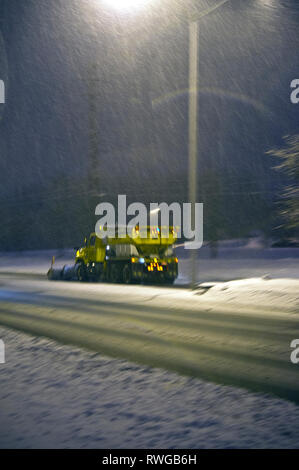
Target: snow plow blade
x,y
67,273
54,274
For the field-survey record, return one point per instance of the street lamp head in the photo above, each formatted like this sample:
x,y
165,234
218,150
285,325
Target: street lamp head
x,y
127,5
155,211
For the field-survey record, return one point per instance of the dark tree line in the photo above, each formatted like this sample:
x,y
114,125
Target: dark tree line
x,y
61,214
288,164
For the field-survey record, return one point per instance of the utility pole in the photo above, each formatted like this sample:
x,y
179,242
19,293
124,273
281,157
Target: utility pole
x,y
193,118
193,129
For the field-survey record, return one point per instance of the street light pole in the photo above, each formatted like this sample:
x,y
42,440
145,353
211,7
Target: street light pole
x,y
193,133
193,120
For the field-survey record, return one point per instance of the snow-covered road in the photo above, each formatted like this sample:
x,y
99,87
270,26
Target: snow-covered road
x,y
56,396
236,333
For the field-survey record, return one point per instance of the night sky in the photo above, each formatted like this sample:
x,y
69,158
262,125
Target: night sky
x,y
248,55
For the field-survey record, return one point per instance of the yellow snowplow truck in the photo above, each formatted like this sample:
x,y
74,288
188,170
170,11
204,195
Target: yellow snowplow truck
x,y
130,259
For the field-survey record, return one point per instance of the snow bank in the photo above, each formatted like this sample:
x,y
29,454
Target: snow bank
x,y
271,294
33,262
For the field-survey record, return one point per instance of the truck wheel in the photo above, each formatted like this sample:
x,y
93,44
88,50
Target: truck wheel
x,y
127,275
81,273
114,274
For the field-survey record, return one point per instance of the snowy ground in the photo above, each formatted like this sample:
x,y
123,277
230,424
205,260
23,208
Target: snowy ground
x,y
58,396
